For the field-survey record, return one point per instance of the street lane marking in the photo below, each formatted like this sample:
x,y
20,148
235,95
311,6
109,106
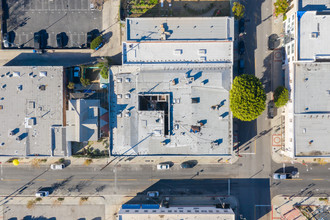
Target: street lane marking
x,y
60,179
318,179
85,180
126,179
153,179
104,179
11,180
40,179
294,179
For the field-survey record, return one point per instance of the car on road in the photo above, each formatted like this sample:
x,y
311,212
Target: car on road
x,y
89,39
163,166
280,176
76,71
42,193
57,166
241,47
241,25
241,66
188,164
270,109
153,194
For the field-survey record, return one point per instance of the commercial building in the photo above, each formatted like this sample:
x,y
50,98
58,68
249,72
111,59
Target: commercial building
x,y
31,111
171,95
141,212
306,72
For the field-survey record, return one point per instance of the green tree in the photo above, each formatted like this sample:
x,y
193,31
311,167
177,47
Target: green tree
x,y
247,97
85,82
281,96
238,10
281,7
71,85
104,66
96,42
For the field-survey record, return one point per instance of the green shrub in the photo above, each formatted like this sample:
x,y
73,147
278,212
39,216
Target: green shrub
x,y
61,160
281,7
247,97
38,199
71,85
60,199
96,42
85,82
281,96
238,10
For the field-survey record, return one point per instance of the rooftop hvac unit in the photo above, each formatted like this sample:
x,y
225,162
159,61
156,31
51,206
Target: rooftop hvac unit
x,y
202,51
16,74
128,80
127,96
119,96
42,73
119,80
127,114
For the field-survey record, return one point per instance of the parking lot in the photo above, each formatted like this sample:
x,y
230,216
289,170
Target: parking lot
x,y
73,18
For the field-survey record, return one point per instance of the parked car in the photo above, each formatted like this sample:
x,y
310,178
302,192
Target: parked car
x,y
163,166
36,40
241,47
270,109
241,66
153,194
6,42
42,193
241,25
188,164
57,166
280,176
89,39
76,71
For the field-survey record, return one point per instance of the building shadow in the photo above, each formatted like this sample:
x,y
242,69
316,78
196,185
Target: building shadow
x,y
250,193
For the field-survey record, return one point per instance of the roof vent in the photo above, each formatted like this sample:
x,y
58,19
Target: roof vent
x,y
178,51
314,34
202,51
42,87
202,59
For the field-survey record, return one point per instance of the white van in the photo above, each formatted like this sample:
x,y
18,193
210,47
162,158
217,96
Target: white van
x,y
57,166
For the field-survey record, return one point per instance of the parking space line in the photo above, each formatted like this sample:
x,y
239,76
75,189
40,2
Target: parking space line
x,y
11,180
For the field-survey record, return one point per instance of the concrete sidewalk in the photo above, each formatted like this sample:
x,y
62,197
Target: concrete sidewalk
x,y
72,161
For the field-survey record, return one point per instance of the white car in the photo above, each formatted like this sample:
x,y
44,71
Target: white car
x,y
163,166
153,194
279,176
42,194
57,166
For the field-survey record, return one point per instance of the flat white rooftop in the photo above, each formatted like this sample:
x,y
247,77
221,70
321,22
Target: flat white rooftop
x,y
313,34
312,88
31,111
313,5
180,28
311,109
190,100
182,53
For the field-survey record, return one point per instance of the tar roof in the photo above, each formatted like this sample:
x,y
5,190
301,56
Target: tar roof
x,y
177,53
313,34
179,29
190,95
31,103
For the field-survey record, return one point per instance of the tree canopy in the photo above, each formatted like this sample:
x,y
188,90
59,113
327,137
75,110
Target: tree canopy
x,y
281,96
247,97
238,10
85,82
96,42
281,7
